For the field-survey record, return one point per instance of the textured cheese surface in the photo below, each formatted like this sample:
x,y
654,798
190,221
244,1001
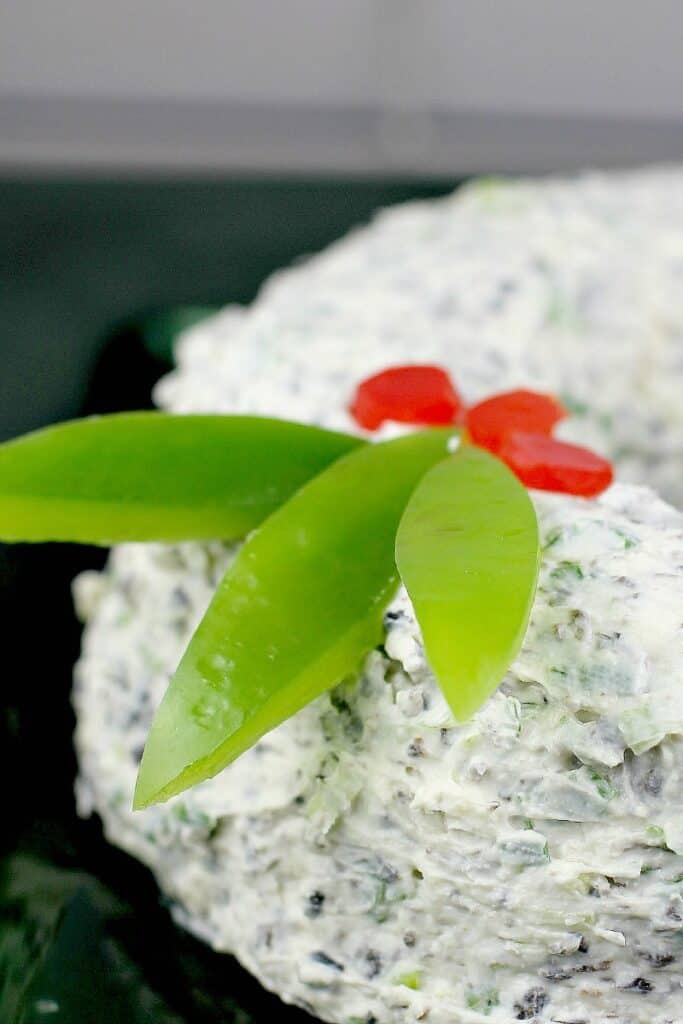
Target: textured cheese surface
x,y
372,860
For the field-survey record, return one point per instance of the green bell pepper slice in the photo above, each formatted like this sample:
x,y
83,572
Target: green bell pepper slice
x,y
295,613
467,549
156,476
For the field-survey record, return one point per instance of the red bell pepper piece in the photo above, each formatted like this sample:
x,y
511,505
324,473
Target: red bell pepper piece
x,y
421,395
550,465
489,422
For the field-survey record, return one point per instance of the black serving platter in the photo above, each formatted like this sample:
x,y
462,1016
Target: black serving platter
x,y
85,937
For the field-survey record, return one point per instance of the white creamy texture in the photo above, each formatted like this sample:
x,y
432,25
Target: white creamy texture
x,y
371,860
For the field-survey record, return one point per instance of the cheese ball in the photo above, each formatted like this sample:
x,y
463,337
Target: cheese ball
x,y
372,860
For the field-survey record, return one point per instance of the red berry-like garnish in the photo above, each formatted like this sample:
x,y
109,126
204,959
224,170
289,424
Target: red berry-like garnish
x,y
549,465
489,422
422,395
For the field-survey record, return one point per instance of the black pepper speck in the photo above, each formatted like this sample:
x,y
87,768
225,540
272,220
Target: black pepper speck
x,y
315,903
322,958
641,985
374,964
660,959
531,1004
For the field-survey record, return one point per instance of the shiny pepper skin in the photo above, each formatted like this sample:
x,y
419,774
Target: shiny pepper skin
x,y
491,421
546,464
420,395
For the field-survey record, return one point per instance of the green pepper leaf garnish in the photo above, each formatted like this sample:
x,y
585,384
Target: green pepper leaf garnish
x,y
295,613
467,550
156,476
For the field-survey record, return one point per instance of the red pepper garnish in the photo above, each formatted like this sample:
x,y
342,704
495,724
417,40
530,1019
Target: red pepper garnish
x,y
550,465
515,425
422,395
489,422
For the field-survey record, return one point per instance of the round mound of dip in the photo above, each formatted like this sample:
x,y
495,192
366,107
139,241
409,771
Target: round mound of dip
x,y
371,860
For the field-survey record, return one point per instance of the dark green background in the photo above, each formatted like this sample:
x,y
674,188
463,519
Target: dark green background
x,y
78,256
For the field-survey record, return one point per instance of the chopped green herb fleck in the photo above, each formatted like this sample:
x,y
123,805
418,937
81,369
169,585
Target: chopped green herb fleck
x,y
483,1000
603,786
565,569
574,405
411,979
